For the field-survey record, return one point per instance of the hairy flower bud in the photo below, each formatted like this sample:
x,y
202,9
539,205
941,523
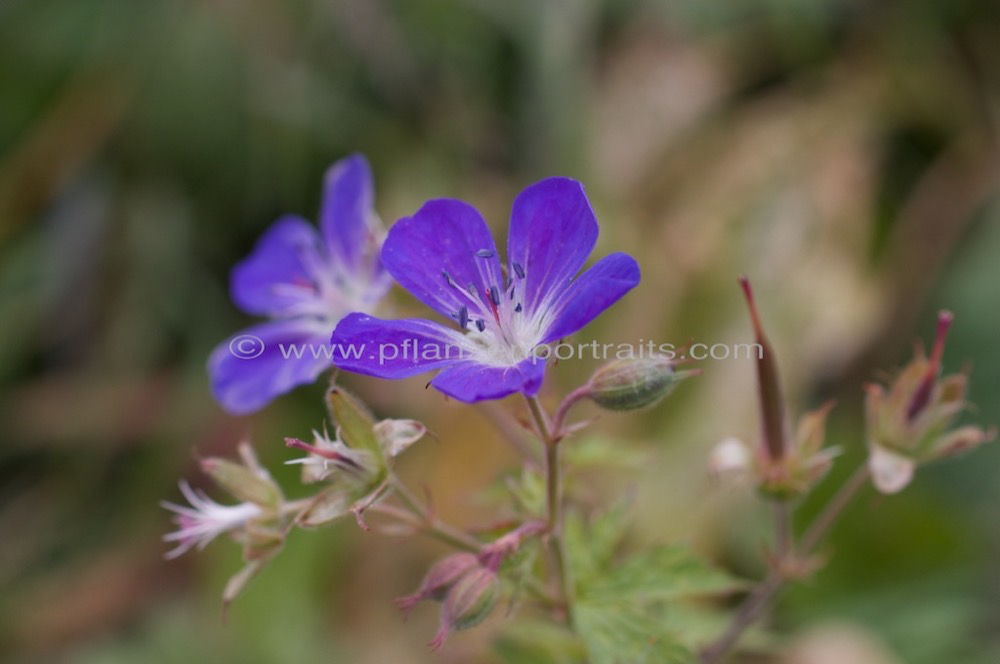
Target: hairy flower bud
x,y
634,383
468,603
439,579
247,481
355,423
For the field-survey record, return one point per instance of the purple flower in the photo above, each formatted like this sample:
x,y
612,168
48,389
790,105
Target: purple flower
x,y
444,255
305,282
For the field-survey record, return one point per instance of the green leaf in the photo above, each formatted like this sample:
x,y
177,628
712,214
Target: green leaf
x,y
620,633
696,624
601,452
540,642
665,573
519,570
528,492
592,545
238,581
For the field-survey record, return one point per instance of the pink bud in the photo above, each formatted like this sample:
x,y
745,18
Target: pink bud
x,y
469,602
445,573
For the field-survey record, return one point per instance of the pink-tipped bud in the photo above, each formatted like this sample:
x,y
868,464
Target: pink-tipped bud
x,y
439,579
469,602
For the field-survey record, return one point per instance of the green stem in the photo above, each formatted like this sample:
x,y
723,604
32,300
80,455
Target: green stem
x,y
432,525
784,536
559,420
553,501
417,515
833,509
761,598
750,610
509,429
296,506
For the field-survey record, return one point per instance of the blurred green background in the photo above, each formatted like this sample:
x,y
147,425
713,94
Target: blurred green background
x,y
844,154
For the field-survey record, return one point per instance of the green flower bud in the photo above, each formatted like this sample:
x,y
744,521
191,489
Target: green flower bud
x,y
634,383
469,602
251,485
354,423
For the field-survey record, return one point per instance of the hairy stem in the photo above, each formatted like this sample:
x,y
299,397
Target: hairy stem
x,y
431,524
559,420
784,536
840,500
749,612
508,427
296,506
553,501
760,599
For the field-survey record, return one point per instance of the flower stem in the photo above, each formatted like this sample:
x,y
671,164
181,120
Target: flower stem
x,y
753,606
760,599
559,420
296,506
553,501
431,524
833,509
784,534
510,430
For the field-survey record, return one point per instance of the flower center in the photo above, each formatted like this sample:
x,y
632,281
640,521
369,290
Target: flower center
x,y
328,291
498,329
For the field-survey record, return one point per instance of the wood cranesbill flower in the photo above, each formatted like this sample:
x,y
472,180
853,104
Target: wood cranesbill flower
x,y
445,256
305,282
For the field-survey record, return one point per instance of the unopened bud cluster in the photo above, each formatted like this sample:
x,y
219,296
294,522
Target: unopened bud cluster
x,y
468,584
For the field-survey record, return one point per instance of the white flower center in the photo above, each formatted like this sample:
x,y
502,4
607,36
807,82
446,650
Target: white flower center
x,y
499,331
333,291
